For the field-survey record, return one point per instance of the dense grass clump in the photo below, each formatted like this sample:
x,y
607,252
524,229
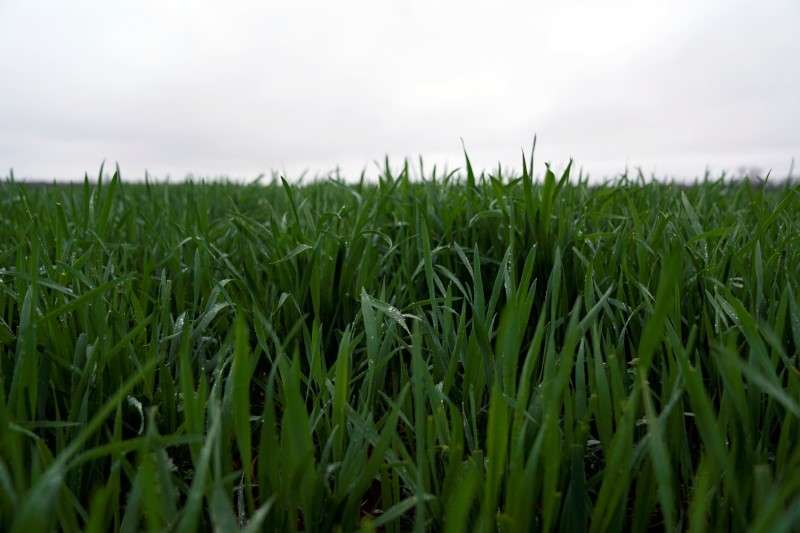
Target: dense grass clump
x,y
484,352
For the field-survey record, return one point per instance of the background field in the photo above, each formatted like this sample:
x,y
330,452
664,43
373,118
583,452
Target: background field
x,y
461,351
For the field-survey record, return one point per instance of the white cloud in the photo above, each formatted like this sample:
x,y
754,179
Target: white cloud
x,y
244,87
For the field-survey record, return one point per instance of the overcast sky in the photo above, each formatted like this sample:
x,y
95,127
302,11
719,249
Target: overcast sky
x,y
241,87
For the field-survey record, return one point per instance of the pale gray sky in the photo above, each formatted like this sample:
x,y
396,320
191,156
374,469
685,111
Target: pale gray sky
x,y
242,87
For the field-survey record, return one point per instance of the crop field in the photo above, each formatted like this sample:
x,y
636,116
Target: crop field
x,y
454,353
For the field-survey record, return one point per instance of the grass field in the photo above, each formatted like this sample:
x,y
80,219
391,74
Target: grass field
x,y
482,352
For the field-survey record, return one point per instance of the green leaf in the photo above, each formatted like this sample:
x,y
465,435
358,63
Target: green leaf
x,y
294,253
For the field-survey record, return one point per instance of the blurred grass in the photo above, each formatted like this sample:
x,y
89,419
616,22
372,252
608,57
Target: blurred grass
x,y
483,351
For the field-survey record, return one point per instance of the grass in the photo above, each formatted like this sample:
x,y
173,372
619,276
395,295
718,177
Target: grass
x,y
465,351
